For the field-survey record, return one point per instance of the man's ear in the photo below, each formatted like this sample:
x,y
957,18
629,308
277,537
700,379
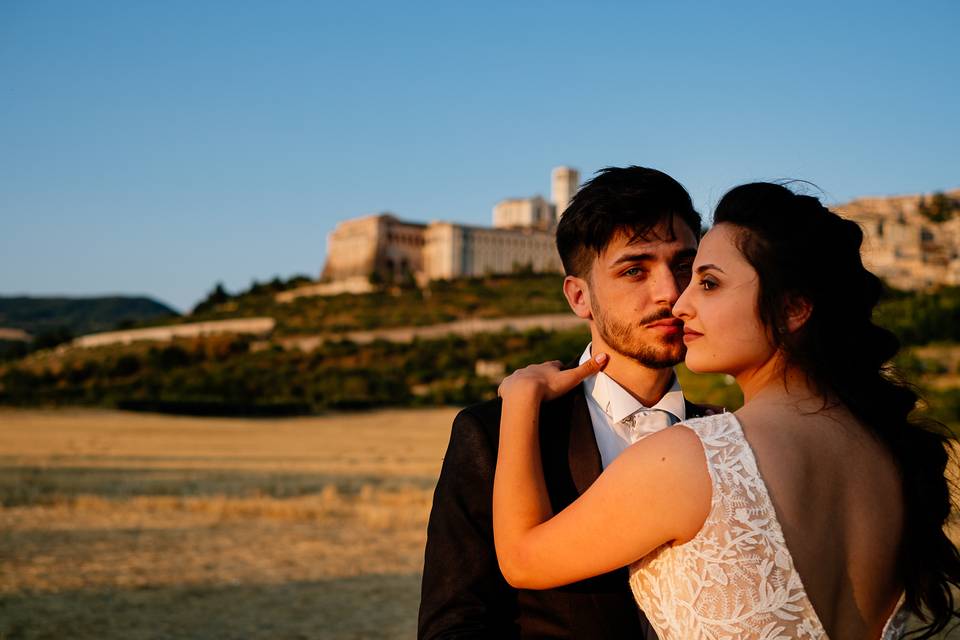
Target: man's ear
x,y
577,291
798,312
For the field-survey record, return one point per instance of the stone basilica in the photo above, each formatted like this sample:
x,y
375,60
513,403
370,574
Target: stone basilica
x,y
385,248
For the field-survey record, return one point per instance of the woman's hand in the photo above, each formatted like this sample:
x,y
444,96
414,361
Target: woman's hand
x,y
548,381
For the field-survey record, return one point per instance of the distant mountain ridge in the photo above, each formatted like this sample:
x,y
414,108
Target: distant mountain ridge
x,y
37,315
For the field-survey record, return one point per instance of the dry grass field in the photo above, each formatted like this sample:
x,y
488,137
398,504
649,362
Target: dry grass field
x,y
119,525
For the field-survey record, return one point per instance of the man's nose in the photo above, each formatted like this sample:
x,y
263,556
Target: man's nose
x,y
666,289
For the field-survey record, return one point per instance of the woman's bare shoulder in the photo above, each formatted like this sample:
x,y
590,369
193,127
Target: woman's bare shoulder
x,y
672,462
683,439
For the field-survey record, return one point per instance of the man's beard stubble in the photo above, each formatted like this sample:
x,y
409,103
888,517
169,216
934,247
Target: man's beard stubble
x,y
618,337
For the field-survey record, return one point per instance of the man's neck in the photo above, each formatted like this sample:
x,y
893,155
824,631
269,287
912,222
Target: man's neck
x,y
644,383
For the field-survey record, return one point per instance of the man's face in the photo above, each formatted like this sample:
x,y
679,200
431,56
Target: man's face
x,y
633,286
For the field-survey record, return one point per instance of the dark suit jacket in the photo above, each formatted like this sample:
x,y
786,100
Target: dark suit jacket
x,y
464,595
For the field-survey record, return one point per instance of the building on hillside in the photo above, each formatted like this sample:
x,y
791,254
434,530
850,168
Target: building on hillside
x,y
564,184
460,251
383,247
903,245
378,244
533,213
536,212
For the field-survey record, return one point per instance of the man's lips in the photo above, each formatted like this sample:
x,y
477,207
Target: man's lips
x,y
668,326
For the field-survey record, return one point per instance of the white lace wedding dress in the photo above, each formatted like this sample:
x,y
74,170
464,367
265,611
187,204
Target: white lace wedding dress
x,y
736,579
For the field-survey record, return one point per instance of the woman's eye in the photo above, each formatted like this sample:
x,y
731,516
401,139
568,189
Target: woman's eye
x,y
707,284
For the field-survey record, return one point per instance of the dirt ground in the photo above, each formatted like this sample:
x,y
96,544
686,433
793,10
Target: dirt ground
x,y
133,526
119,525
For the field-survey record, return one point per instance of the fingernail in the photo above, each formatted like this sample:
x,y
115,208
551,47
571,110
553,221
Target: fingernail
x,y
600,358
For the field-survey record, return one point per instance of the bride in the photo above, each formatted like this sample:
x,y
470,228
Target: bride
x,y
814,511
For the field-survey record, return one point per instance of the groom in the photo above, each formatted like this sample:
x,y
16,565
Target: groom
x,y
627,242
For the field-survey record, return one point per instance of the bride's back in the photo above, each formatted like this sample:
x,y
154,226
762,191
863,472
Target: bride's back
x,y
780,290
837,494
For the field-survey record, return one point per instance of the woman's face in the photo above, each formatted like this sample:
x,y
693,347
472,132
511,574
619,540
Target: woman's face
x,y
721,323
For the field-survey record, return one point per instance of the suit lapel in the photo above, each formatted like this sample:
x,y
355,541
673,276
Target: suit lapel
x,y
583,454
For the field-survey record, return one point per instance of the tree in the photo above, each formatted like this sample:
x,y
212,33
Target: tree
x,y
216,297
940,208
52,337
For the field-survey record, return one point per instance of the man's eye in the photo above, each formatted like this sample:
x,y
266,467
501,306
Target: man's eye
x,y
633,271
684,268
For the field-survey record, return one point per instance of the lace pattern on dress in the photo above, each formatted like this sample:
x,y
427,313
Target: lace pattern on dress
x,y
735,579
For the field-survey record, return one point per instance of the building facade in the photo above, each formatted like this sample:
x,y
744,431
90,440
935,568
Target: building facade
x,y
516,213
460,251
564,183
384,248
379,245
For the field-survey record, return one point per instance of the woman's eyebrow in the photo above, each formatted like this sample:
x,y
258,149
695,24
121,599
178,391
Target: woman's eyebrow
x,y
705,267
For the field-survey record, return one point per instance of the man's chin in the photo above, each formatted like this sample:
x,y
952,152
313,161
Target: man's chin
x,y
658,359
655,353
660,363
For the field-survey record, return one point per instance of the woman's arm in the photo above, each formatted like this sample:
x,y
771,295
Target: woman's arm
x,y
657,491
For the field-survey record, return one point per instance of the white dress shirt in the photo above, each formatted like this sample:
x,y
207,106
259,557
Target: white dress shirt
x,y
619,419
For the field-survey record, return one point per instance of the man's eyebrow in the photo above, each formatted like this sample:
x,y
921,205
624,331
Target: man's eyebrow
x,y
705,267
634,257
643,257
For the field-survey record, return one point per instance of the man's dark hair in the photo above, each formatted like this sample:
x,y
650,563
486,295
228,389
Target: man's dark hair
x,y
632,200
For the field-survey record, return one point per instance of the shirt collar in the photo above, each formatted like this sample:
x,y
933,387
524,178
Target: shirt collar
x,y
618,403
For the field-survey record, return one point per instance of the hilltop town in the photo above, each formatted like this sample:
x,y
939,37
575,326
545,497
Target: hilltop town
x,y
911,241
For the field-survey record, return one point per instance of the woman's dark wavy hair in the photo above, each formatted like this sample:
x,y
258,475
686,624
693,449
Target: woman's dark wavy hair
x,y
799,248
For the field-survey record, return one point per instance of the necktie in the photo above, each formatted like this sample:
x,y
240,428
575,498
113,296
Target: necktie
x,y
645,422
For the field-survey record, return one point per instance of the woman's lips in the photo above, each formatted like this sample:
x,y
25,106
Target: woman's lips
x,y
689,335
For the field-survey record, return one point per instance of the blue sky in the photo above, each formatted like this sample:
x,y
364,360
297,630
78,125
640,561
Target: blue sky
x,y
158,147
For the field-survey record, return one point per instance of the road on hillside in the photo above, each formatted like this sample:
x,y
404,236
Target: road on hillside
x,y
549,322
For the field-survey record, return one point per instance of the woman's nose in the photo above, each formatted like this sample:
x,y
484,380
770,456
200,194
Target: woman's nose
x,y
682,308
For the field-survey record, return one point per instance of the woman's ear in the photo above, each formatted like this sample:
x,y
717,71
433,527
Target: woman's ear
x,y
798,312
577,291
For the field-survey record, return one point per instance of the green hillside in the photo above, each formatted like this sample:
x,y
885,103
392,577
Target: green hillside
x,y
442,301
225,375
77,316
241,375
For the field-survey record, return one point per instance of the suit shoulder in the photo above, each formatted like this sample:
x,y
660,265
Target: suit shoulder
x,y
487,412
477,425
486,415
483,416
